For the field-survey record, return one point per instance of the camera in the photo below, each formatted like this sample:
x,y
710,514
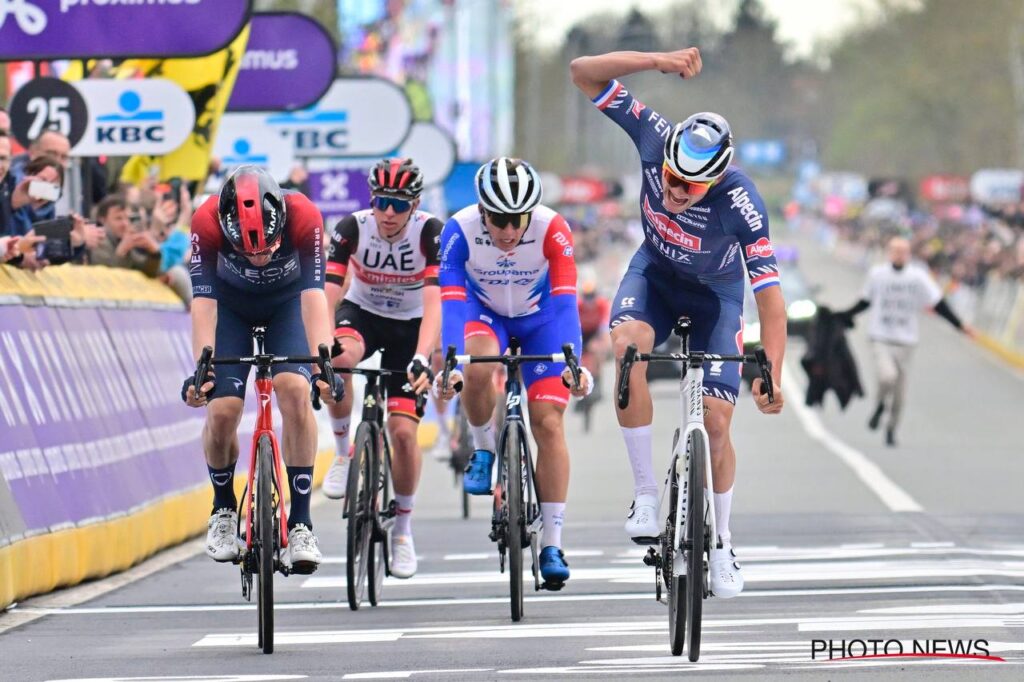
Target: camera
x,y
56,247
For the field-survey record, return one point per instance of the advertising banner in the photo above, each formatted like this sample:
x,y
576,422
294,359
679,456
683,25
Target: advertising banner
x,y
432,149
79,29
338,193
138,116
237,146
994,186
289,64
357,117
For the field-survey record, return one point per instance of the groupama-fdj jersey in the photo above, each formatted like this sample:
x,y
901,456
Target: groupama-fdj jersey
x,y
388,277
706,242
528,293
690,262
248,295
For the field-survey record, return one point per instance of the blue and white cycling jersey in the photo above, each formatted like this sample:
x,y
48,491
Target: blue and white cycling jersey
x,y
706,242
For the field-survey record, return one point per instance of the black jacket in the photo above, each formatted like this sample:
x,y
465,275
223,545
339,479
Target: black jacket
x,y
828,361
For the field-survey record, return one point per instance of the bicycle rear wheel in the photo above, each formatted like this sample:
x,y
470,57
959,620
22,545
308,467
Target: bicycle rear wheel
x,y
696,536
377,559
264,515
514,492
357,508
675,585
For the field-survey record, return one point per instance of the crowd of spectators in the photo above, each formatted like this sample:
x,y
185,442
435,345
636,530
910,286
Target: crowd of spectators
x,y
104,222
963,244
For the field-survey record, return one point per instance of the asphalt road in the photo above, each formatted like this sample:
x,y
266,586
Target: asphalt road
x,y
841,539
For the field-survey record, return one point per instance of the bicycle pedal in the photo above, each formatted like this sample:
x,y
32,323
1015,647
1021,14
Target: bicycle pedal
x,y
552,586
304,567
647,541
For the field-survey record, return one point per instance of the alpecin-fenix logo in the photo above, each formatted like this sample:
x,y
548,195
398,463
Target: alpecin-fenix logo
x,y
29,18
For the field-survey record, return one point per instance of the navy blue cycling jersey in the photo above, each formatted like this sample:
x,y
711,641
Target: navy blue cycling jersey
x,y
218,271
706,242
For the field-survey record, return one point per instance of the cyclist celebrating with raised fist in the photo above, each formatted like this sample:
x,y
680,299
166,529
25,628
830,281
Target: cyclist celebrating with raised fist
x,y
702,222
391,302
507,269
257,259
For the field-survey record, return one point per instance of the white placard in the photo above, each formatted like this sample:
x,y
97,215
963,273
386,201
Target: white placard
x,y
236,145
432,149
137,116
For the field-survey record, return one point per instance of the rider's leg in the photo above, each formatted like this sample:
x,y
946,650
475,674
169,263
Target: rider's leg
x,y
298,442
718,420
220,444
353,350
405,467
478,392
547,425
636,419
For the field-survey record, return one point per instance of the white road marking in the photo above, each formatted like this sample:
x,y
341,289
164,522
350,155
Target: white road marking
x,y
892,496
485,556
188,678
680,665
406,674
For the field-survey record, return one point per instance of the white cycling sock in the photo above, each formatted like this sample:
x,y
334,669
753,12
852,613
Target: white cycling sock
x,y
403,520
723,507
483,437
638,447
553,515
340,426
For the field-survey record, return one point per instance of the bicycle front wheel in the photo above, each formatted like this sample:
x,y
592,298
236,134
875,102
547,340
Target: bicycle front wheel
x,y
377,559
265,544
696,538
358,498
514,491
675,585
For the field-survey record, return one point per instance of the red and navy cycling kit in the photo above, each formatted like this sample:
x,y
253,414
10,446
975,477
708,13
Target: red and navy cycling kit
x,y
595,314
528,293
248,295
384,303
691,263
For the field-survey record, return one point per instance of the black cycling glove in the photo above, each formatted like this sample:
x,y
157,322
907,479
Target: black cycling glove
x,y
191,381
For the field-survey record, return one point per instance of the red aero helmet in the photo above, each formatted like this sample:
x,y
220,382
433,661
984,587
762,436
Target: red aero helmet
x,y
396,178
251,210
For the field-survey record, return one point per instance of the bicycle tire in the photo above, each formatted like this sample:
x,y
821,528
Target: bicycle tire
x,y
514,497
357,501
696,537
264,515
675,586
380,505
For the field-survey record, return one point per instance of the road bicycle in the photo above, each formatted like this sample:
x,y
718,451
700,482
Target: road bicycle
x,y
682,557
262,504
516,519
370,508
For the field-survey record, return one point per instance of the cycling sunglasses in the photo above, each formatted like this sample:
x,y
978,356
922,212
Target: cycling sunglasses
x,y
688,186
503,220
383,203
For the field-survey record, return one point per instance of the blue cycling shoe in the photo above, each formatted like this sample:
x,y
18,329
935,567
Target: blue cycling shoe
x,y
477,477
553,568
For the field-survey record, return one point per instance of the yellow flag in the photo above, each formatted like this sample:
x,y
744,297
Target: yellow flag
x,y
208,81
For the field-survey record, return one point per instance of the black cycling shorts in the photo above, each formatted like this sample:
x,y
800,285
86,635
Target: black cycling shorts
x,y
396,339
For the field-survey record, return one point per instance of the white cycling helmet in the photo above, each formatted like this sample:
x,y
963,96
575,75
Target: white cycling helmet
x,y
700,148
507,185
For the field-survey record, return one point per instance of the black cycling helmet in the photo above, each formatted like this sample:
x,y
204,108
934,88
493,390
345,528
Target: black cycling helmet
x,y
251,210
399,178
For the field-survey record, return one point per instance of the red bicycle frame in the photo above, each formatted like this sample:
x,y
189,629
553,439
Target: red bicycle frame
x,y
265,426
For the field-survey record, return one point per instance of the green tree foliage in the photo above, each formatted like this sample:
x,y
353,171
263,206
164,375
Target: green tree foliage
x,y
925,91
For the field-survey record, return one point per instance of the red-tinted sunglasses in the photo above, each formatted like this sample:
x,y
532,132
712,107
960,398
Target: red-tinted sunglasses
x,y
688,186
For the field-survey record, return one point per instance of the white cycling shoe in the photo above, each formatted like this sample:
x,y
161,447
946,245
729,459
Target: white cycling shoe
x,y
403,556
222,535
336,481
642,522
726,578
303,550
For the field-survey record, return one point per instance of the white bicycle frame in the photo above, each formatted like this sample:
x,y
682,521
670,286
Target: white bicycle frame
x,y
691,405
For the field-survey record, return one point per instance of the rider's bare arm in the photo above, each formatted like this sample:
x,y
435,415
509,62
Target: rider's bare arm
x,y
592,74
204,324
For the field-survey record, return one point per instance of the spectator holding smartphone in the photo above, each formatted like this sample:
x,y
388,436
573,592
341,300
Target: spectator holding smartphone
x,y
6,186
127,241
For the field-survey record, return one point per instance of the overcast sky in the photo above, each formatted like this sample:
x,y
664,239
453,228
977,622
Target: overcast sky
x,y
801,22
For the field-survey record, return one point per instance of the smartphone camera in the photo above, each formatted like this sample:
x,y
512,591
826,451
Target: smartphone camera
x,y
56,247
